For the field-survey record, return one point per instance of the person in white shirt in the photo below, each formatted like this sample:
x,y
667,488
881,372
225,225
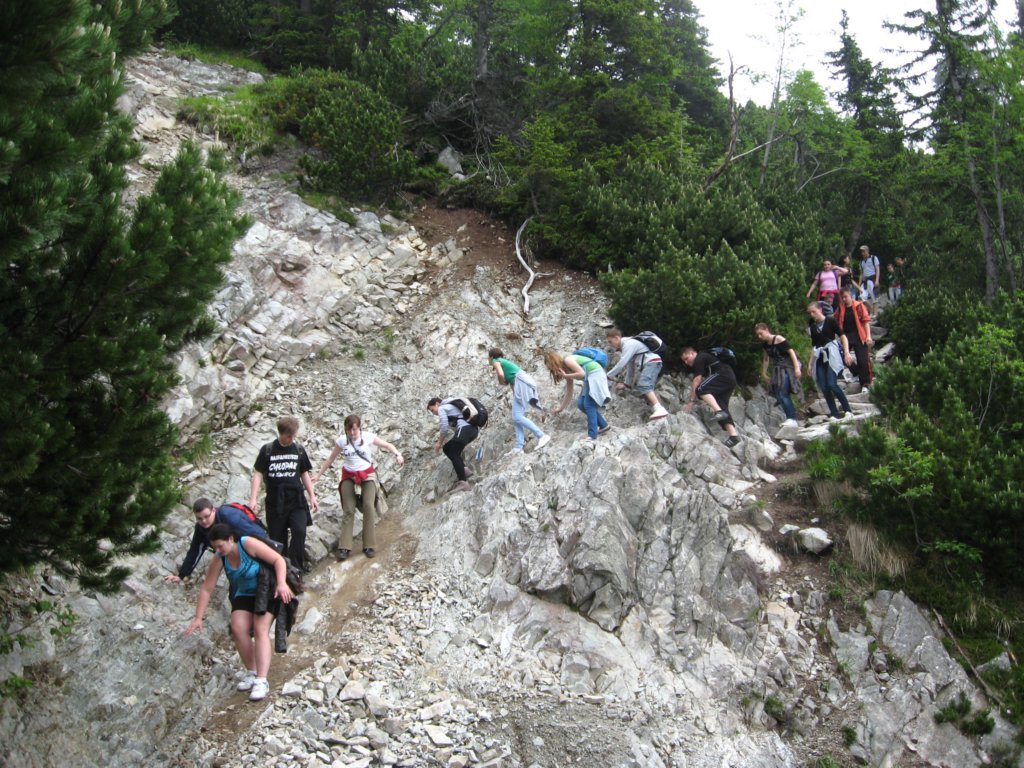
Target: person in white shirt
x,y
358,467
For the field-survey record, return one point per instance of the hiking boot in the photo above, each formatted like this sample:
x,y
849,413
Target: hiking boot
x,y
245,684
544,440
659,412
343,554
369,551
733,440
605,428
461,485
469,471
260,689
721,415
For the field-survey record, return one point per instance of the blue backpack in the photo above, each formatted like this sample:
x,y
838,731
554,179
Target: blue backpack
x,y
724,355
599,356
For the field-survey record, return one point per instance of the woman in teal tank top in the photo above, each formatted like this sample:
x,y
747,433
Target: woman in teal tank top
x,y
250,631
524,394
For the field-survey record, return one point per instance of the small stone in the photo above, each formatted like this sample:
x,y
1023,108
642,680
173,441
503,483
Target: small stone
x,y
439,736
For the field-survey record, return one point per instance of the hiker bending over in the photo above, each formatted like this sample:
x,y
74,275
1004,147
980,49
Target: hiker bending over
x,y
524,394
286,467
713,382
249,630
854,319
827,283
595,395
829,351
785,376
357,468
452,421
642,367
240,519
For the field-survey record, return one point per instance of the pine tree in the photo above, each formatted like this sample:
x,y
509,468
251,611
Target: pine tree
x,y
93,298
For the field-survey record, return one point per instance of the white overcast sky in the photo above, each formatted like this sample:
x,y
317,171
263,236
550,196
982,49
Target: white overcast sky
x,y
746,30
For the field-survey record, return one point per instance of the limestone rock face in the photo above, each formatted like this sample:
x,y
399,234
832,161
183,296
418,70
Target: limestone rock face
x,y
607,603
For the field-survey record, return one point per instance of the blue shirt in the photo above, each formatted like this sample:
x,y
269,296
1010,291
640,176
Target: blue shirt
x,y
242,578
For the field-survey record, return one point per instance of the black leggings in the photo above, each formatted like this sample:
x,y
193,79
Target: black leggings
x,y
453,448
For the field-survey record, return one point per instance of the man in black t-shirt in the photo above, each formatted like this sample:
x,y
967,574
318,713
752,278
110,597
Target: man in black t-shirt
x,y
286,467
713,382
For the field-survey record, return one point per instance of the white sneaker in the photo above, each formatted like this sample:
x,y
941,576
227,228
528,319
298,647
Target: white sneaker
x,y
791,423
260,689
544,440
659,412
246,682
514,451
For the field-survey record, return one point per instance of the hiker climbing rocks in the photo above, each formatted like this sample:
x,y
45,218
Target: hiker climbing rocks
x,y
239,518
854,319
827,283
713,382
829,352
524,395
250,630
785,376
641,359
286,467
359,470
586,365
455,417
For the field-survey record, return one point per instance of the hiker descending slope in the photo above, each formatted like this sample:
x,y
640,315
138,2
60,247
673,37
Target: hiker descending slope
x,y
239,518
358,469
641,359
461,417
524,394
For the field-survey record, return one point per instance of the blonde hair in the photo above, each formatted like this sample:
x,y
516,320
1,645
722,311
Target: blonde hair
x,y
553,362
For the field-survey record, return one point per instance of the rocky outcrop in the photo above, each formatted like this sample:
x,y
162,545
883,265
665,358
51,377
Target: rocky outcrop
x,y
614,603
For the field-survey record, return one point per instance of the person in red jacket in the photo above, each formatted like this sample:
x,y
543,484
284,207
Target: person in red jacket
x,y
855,320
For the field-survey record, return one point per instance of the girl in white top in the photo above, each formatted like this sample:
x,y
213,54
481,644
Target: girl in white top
x,y
357,467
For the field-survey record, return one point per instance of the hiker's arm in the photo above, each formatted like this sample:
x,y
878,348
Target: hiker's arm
x,y
693,393
335,451
192,557
847,357
764,366
566,398
390,449
795,360
501,374
810,290
205,593
307,481
261,551
254,488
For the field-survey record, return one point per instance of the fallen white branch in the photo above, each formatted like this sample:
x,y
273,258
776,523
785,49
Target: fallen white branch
x,y
533,275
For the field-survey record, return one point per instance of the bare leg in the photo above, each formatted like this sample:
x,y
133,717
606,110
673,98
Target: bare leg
x,y
711,402
241,623
261,631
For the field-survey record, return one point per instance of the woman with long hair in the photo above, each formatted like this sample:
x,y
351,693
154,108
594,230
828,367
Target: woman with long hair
x,y
595,395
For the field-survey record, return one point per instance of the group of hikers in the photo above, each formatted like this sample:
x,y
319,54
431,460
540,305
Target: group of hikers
x,y
257,558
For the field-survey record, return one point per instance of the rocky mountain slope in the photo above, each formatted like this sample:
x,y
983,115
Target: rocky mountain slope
x,y
628,602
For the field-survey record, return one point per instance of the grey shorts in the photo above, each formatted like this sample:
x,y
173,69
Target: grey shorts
x,y
648,378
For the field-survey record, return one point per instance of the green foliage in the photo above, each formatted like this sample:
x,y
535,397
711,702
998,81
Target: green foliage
x,y
229,57
958,712
239,118
94,300
359,141
775,709
849,735
827,761
926,319
222,23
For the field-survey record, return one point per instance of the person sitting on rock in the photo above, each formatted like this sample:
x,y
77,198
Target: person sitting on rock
x,y
642,368
595,395
250,631
785,376
713,382
241,520
357,467
524,394
451,420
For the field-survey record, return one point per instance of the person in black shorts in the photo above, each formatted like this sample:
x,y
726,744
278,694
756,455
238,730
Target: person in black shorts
x,y
713,382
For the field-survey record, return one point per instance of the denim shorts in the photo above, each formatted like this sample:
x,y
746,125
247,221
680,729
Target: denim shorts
x,y
648,378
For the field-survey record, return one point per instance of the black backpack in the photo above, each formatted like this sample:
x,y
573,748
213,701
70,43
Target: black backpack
x,y
653,342
473,411
724,355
